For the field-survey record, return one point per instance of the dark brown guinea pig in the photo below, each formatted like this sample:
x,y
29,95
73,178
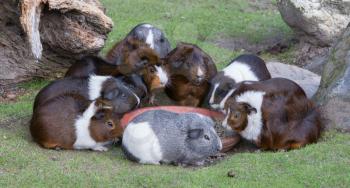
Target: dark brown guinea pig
x,y
92,65
132,55
73,122
190,70
274,114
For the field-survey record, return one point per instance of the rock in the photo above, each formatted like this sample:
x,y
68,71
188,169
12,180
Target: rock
x,y
318,22
334,92
307,80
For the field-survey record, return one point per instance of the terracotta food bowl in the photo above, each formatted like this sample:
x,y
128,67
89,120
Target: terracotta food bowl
x,y
227,142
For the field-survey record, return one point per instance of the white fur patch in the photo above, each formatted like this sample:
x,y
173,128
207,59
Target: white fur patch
x,y
162,75
222,103
224,123
150,39
255,99
95,85
200,72
147,25
140,140
239,72
83,137
211,100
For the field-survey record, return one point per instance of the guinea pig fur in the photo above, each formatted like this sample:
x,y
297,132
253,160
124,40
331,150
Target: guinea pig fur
x,y
122,98
89,65
190,69
155,77
72,122
160,136
152,36
274,114
244,67
132,55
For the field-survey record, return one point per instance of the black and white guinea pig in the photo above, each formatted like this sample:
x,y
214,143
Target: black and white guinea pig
x,y
122,98
245,67
153,36
160,136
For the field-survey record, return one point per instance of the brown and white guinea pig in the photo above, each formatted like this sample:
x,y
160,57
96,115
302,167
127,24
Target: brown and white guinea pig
x,y
72,122
132,55
92,65
244,67
122,98
274,114
190,70
155,77
152,36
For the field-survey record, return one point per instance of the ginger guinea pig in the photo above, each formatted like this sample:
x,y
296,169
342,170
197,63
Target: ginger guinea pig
x,y
132,55
274,114
190,70
72,122
243,68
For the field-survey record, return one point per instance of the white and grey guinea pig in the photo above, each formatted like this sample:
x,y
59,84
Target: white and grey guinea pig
x,y
246,67
160,136
153,36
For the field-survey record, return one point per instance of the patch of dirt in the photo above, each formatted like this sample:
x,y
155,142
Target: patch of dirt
x,y
14,123
274,44
10,93
257,5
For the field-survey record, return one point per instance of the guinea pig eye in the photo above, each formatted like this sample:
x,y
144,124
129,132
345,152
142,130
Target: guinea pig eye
x,y
206,137
152,70
123,95
109,123
237,115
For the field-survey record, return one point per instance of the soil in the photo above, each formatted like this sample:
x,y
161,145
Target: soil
x,y
10,93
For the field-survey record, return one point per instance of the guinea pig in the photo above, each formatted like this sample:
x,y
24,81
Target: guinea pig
x,y
123,99
136,84
274,114
159,136
132,55
92,65
152,36
244,67
190,70
72,122
155,77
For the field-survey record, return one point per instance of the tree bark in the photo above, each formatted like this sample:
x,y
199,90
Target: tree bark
x,y
42,38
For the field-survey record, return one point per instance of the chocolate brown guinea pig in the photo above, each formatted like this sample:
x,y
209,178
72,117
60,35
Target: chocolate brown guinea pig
x,y
132,55
71,121
274,114
190,70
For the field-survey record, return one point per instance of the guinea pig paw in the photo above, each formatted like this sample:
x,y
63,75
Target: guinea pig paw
x,y
100,148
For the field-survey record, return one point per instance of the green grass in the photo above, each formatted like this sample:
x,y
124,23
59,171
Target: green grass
x,y
198,22
23,163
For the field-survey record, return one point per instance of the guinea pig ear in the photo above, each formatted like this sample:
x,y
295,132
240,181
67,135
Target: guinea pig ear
x,y
195,133
249,109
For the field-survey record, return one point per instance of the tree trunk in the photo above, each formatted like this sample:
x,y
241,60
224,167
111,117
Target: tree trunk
x,y
41,38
